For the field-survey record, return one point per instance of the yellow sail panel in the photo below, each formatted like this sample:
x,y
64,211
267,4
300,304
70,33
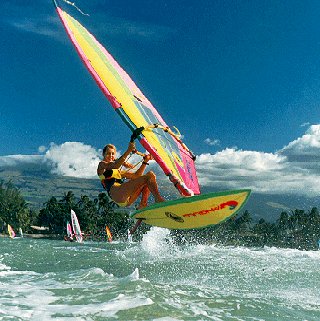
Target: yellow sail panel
x,y
104,70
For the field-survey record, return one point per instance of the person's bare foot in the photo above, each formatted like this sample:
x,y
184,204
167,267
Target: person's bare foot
x,y
160,199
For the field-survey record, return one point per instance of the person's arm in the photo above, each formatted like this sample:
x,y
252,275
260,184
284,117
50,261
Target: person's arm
x,y
102,167
119,162
141,169
128,165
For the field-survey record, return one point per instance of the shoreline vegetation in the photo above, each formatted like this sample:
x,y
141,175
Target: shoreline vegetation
x,y
298,229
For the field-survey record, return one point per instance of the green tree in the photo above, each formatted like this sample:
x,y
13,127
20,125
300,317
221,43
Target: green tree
x,y
13,208
52,216
244,221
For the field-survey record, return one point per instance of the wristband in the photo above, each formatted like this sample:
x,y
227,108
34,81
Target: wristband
x,y
145,163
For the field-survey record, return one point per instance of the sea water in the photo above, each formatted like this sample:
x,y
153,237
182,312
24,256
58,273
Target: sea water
x,y
155,280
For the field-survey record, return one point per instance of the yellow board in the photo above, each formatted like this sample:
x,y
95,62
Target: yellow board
x,y
194,212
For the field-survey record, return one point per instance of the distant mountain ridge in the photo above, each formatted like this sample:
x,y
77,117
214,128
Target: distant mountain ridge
x,y
38,187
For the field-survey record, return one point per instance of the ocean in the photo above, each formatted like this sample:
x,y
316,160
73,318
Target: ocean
x,y
154,279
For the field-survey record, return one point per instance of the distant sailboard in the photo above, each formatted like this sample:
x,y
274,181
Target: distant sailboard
x,y
109,235
194,212
76,227
69,231
11,232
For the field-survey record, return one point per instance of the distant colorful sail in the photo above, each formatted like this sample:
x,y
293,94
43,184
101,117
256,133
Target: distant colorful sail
x,y
76,227
109,235
166,147
11,232
69,230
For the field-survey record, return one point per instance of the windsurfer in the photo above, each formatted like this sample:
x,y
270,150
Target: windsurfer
x,y
136,184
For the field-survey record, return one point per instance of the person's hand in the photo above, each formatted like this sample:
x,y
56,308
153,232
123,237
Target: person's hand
x,y
131,147
147,157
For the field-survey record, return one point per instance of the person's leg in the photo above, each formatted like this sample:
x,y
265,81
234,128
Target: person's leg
x,y
133,188
153,187
144,197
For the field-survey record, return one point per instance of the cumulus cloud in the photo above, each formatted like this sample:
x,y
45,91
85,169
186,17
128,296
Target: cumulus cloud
x,y
308,144
293,169
73,159
76,159
19,160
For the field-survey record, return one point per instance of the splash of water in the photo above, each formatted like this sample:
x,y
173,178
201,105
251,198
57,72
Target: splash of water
x,y
158,243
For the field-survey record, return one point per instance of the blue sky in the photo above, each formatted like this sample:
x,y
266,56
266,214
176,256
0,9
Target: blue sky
x,y
240,79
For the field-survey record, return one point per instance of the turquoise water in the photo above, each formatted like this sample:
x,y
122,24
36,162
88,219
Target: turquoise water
x,y
155,280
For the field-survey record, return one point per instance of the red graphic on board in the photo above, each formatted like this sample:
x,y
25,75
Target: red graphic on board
x,y
232,205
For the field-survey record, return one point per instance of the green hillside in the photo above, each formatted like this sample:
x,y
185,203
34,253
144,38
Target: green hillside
x,y
38,188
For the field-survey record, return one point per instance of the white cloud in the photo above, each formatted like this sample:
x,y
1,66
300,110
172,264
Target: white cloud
x,y
42,149
212,142
308,144
43,25
73,159
294,169
23,163
19,160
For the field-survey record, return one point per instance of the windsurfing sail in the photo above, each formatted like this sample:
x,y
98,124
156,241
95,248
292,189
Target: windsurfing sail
x,y
136,111
76,227
11,232
109,235
69,230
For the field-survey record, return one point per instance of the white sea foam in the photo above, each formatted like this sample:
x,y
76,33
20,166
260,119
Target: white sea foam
x,y
88,274
3,267
167,319
34,296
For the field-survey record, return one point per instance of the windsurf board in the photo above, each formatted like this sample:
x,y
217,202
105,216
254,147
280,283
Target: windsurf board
x,y
194,212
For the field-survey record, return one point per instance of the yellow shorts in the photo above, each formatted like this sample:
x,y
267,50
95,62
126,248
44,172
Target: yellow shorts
x,y
124,204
